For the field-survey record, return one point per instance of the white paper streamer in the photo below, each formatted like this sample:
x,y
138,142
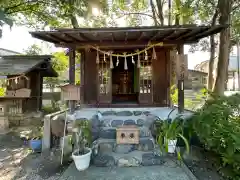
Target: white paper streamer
x,y
111,61
146,55
138,61
125,62
104,57
133,60
117,61
154,56
97,58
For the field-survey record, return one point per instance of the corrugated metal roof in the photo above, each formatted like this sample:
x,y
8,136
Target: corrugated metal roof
x,y
7,52
15,65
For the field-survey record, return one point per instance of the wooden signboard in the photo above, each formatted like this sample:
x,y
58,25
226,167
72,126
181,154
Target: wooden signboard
x,y
182,66
23,93
70,92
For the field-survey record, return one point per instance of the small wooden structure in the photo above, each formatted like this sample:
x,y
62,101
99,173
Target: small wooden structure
x,y
24,78
70,92
128,134
127,67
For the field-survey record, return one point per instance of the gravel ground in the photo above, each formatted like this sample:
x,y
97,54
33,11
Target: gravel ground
x,y
18,162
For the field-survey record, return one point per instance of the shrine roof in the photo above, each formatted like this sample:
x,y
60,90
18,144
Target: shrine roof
x,y
181,34
22,64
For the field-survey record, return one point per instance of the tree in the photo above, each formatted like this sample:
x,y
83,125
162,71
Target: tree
x,y
4,19
33,50
225,9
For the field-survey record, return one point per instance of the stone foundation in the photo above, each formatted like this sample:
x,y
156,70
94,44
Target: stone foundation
x,y
106,152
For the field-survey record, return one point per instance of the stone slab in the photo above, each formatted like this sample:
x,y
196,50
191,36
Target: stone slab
x,y
163,172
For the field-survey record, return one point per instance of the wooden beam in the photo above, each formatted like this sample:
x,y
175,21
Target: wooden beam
x,y
170,34
123,44
57,38
126,36
140,37
204,33
72,37
192,32
112,36
154,37
45,38
84,37
176,34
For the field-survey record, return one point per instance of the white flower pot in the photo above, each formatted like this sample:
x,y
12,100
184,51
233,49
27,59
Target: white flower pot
x,y
82,161
172,145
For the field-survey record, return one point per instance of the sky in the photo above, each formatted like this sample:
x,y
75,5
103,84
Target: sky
x,y
18,39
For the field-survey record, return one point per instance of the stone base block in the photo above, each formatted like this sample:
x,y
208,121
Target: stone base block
x,y
135,158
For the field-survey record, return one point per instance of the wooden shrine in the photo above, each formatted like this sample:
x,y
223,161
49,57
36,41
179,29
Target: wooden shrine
x,y
23,85
129,66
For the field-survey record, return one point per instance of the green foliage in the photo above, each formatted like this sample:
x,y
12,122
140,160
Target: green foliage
x,y
171,131
33,50
217,125
188,103
2,91
82,136
49,109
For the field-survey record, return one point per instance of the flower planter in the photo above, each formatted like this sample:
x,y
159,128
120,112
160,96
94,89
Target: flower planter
x,y
35,144
172,145
82,161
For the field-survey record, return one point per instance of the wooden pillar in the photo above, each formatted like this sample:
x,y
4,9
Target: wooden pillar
x,y
82,67
180,80
72,55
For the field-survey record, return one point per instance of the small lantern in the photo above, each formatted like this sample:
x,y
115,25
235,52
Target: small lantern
x,y
70,92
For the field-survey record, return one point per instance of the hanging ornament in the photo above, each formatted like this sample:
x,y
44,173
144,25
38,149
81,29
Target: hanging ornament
x,y
97,58
104,57
138,61
111,61
16,80
117,61
125,61
154,56
146,55
133,60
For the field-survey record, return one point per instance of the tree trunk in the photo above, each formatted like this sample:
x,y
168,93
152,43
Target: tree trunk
x,y
212,53
222,67
211,63
154,13
160,11
74,22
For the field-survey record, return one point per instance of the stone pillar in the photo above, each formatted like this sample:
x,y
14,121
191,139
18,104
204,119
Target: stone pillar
x,y
72,56
180,78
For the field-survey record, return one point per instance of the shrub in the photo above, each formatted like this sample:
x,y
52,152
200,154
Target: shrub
x,y
48,109
217,125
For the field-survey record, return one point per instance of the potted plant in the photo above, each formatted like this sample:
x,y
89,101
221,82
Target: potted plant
x,y
168,134
35,139
81,139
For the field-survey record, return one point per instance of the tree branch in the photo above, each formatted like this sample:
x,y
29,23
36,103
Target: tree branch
x,y
139,13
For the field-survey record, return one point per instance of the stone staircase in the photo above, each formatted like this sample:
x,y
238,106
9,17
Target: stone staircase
x,y
106,152
104,121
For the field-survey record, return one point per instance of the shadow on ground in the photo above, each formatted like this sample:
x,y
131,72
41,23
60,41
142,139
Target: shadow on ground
x,y
18,162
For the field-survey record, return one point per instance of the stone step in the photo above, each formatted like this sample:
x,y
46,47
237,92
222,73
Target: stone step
x,y
102,146
134,158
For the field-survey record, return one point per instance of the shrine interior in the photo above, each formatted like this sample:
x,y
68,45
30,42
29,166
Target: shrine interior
x,y
124,81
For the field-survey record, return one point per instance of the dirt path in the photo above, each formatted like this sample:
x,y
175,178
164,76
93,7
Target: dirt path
x,y
18,162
